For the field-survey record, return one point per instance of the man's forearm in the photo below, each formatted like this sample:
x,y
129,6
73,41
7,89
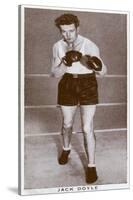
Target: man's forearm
x,y
59,70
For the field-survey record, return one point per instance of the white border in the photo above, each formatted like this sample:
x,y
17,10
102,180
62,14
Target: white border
x,y
23,191
21,102
74,9
128,97
84,188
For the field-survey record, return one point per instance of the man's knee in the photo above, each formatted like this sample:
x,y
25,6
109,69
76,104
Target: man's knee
x,y
67,131
67,124
88,128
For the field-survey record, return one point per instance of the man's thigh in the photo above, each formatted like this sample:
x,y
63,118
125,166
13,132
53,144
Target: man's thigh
x,y
68,113
87,112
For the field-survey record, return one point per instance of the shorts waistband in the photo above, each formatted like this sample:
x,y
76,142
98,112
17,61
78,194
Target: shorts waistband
x,y
79,75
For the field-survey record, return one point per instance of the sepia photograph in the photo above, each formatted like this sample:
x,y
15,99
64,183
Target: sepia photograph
x,y
73,100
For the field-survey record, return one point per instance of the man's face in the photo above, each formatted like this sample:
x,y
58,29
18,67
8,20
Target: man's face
x,y
69,32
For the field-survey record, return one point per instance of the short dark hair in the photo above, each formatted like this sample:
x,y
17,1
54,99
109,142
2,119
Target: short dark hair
x,y
67,19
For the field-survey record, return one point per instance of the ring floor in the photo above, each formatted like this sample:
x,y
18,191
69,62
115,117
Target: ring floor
x,y
41,168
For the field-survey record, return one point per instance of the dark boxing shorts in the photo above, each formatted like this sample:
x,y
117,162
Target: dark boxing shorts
x,y
77,89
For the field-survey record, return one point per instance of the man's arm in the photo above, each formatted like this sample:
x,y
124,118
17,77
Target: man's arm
x,y
103,70
94,52
58,67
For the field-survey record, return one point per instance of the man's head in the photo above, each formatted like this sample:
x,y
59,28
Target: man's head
x,y
67,19
68,25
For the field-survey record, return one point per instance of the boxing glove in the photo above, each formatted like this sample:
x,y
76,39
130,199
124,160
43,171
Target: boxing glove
x,y
91,62
71,56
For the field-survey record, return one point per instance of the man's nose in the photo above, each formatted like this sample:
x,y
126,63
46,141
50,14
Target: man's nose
x,y
68,35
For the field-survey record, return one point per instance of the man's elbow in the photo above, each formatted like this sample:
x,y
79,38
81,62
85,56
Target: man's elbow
x,y
55,74
103,72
